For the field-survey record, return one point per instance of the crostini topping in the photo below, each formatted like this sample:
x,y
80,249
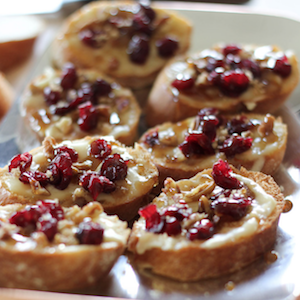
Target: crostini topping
x,y
90,233
63,168
137,24
232,69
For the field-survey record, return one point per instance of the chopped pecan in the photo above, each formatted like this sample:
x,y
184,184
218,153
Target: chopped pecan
x,y
266,127
48,147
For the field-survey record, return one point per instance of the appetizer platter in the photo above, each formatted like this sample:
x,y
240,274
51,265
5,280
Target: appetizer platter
x,y
188,242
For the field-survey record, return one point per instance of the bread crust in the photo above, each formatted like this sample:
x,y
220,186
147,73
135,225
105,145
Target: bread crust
x,y
112,57
6,95
131,192
194,262
265,155
42,120
166,103
35,263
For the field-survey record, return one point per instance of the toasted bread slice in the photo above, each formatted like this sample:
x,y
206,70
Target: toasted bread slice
x,y
231,78
77,172
6,95
41,253
122,39
181,150
198,231
72,103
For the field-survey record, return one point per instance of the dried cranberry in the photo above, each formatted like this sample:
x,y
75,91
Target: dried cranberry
x,y
208,126
101,87
64,149
138,49
201,230
231,49
27,217
88,116
152,138
49,206
68,77
179,212
172,226
235,145
96,184
61,168
222,177
91,38
51,97
48,227
148,11
154,221
90,233
29,176
183,84
166,47
23,161
233,83
239,125
196,144
213,63
252,66
99,149
235,206
114,167
282,67
142,24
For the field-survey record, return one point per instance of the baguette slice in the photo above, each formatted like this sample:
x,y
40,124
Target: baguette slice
x,y
71,103
119,38
118,177
77,249
212,241
231,78
6,95
17,39
264,153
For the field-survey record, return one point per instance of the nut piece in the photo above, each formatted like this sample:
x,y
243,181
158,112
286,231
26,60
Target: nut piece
x,y
266,128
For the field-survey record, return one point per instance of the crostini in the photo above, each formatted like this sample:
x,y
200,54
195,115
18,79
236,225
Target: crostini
x,y
215,223
229,77
80,171
72,103
127,40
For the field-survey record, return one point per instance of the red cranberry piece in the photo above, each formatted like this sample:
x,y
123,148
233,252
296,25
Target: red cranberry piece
x,y
208,126
239,125
48,227
233,83
51,97
282,67
179,212
61,167
183,84
196,144
252,66
148,11
88,116
69,76
90,233
89,38
96,184
222,177
27,217
172,226
231,49
28,176
138,49
213,63
114,167
235,206
99,149
166,47
141,23
154,221
235,145
64,149
56,211
101,87
152,138
201,230
23,161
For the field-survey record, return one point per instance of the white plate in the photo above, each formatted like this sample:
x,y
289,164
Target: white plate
x,y
260,280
